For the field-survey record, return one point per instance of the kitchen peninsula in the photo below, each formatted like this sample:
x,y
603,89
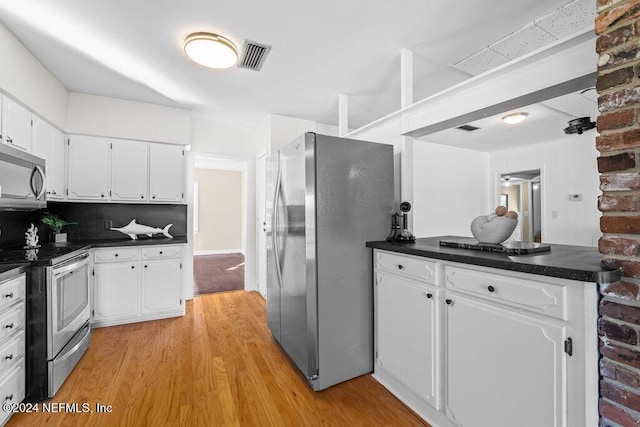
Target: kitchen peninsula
x,y
468,337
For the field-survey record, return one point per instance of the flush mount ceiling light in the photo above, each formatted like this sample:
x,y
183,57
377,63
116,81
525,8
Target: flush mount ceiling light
x,y
514,118
211,50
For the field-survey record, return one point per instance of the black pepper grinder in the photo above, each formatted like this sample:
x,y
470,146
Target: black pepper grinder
x,y
405,235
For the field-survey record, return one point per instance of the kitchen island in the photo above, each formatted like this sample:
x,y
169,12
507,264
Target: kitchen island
x,y
476,338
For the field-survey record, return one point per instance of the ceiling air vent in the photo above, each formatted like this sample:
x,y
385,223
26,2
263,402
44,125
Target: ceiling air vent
x,y
253,55
468,128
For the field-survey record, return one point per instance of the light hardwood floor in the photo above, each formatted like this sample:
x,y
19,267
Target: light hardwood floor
x,y
216,366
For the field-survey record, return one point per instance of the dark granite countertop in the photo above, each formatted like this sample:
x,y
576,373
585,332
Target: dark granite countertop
x,y
9,271
112,243
562,261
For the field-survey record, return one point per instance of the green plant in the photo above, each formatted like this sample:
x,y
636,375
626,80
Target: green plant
x,y
55,222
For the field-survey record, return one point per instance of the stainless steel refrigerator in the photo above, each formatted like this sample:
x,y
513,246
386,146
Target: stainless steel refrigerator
x,y
326,197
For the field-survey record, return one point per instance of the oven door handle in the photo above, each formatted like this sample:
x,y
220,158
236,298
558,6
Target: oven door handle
x,y
71,265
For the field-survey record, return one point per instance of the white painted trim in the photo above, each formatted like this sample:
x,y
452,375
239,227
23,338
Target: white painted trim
x,y
219,252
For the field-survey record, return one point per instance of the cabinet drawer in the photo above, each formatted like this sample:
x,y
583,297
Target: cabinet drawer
x,y
540,297
11,321
12,388
116,254
415,267
12,290
161,252
11,352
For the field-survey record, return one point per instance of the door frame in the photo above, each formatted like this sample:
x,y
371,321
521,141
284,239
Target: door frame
x,y
217,162
496,184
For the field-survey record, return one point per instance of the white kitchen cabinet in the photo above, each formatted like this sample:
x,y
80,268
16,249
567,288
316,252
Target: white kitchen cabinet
x,y
16,124
490,347
158,287
166,173
134,284
49,144
116,291
89,168
12,342
128,170
406,325
503,366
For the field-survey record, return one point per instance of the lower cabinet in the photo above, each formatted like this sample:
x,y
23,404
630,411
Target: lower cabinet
x,y
406,324
468,346
137,284
518,356
12,343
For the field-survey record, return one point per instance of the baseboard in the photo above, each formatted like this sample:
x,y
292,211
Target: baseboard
x,y
219,252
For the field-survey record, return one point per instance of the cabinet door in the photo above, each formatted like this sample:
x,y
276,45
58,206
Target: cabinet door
x,y
504,368
116,290
40,139
406,334
161,285
16,124
166,173
56,171
128,170
89,167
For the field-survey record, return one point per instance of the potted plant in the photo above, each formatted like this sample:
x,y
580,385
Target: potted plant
x,y
56,223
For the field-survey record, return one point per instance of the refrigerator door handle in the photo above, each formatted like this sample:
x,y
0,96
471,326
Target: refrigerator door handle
x,y
274,232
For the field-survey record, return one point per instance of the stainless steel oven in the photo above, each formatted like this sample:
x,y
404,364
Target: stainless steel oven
x,y
58,322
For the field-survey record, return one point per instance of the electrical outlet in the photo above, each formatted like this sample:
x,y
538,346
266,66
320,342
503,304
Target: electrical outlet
x,y
108,224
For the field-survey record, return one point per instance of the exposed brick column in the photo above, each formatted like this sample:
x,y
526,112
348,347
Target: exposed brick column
x,y
618,44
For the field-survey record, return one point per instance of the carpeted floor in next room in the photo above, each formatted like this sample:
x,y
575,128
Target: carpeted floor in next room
x,y
218,273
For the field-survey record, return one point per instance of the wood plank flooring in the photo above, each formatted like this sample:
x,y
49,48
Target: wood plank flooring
x,y
216,366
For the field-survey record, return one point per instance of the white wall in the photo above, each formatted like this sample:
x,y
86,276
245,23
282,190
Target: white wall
x,y
568,166
451,188
210,138
26,80
285,129
120,118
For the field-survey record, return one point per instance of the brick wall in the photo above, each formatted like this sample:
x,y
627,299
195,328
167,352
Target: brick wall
x,y
618,86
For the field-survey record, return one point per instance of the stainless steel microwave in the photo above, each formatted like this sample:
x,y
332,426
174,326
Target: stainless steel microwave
x,y
22,180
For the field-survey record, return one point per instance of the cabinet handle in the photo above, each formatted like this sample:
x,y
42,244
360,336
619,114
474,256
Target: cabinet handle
x,y
9,140
142,196
10,397
54,192
400,266
9,326
115,255
9,295
133,266
449,301
491,288
145,266
102,195
160,252
9,357
428,295
153,197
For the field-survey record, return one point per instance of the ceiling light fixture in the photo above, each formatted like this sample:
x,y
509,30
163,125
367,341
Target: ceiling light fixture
x,y
515,118
211,50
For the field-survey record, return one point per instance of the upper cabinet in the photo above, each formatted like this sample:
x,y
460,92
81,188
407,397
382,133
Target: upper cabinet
x,y
89,168
47,142
166,173
16,124
128,170
125,170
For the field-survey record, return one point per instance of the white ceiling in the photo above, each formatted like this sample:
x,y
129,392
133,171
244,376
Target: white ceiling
x,y
546,122
132,49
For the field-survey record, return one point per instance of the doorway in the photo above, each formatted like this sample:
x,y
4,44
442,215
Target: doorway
x,y
219,212
520,191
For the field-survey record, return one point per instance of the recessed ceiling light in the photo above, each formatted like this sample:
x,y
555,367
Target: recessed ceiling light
x,y
514,118
211,50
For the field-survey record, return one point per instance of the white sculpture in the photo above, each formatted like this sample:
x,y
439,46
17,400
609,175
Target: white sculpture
x,y
133,229
496,227
31,237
